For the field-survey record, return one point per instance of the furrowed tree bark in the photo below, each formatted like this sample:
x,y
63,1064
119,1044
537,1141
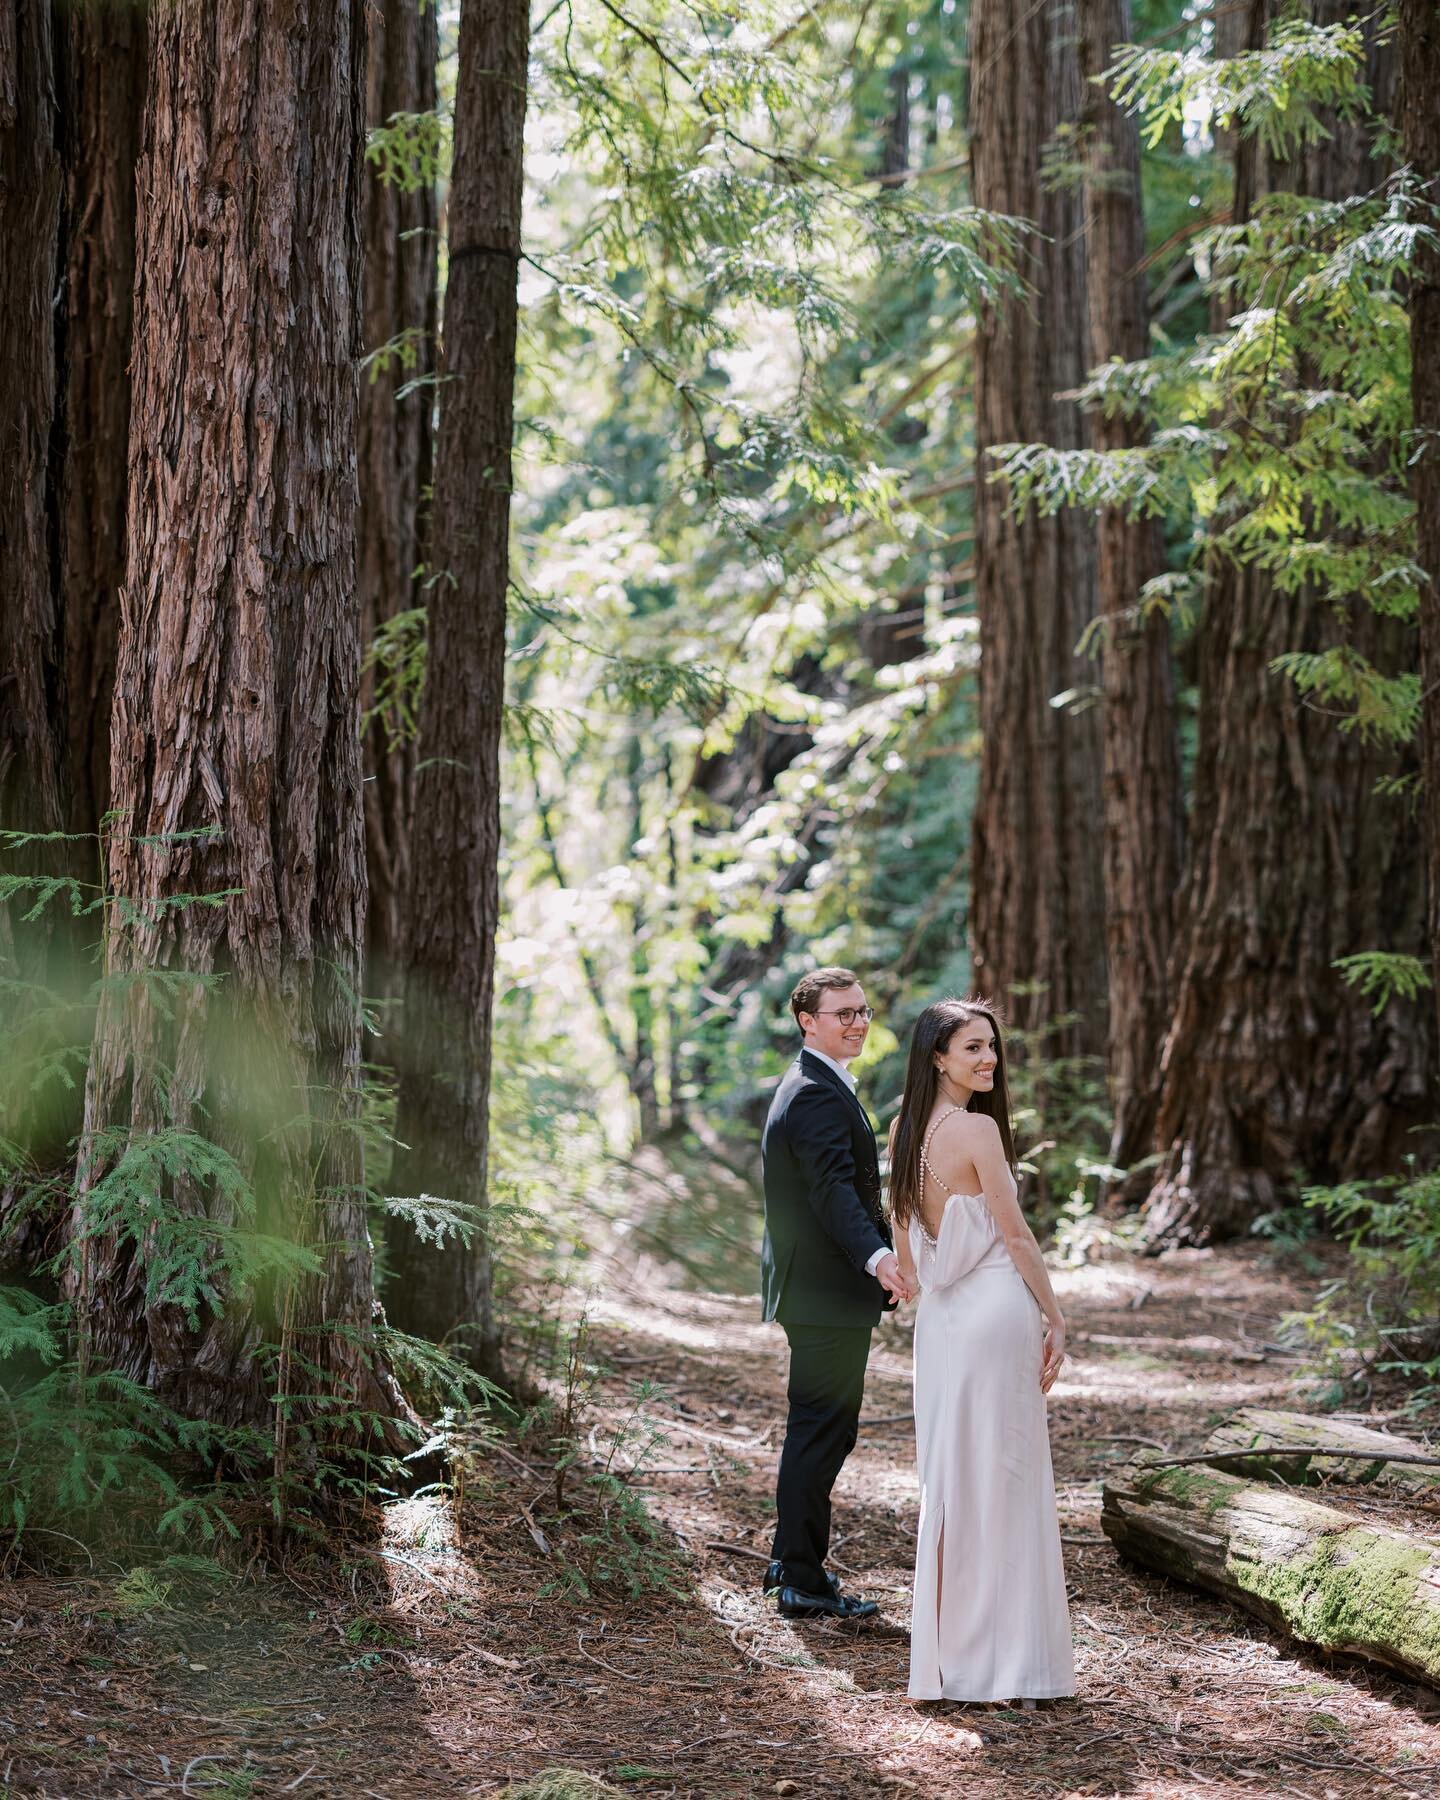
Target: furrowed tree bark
x,y
35,954
1036,923
1322,1576
1273,1068
105,105
234,743
444,1292
396,450
895,148
1142,819
32,672
642,1070
1419,41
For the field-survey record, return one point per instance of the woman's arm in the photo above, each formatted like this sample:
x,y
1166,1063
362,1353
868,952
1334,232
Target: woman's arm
x,y
902,1233
907,1264
1000,1196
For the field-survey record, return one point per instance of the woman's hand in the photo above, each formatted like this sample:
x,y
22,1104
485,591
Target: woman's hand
x,y
1054,1353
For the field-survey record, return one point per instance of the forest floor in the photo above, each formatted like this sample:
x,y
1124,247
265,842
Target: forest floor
x,y
433,1663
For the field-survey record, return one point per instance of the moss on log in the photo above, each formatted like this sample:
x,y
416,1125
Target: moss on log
x,y
1322,1576
1258,1428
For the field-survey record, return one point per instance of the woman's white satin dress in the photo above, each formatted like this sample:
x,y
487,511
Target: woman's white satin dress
x,y
990,1619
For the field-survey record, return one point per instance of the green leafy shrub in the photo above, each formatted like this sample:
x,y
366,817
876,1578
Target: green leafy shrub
x,y
1386,1306
89,1455
602,1535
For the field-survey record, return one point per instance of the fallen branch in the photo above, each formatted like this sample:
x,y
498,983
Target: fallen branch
x,y
580,1646
541,1542
394,1556
518,1462
1220,1459
1344,1450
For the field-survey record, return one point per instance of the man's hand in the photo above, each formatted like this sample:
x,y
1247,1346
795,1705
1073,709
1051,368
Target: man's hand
x,y
887,1273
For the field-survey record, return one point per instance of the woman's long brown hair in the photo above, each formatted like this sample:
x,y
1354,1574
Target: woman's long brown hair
x,y
931,1038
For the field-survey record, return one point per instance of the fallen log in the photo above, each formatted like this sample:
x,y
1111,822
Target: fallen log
x,y
1322,1576
1365,1456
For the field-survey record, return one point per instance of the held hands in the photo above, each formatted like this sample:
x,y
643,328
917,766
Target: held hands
x,y
888,1274
1054,1353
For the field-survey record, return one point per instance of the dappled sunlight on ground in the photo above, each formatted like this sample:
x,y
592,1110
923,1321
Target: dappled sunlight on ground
x,y
701,1323
1180,1696
455,1649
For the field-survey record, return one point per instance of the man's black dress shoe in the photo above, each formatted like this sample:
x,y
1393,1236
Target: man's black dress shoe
x,y
775,1579
795,1604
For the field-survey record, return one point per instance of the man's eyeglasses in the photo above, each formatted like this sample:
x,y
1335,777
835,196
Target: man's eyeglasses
x,y
847,1015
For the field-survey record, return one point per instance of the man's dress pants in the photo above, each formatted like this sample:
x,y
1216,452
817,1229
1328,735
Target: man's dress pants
x,y
827,1384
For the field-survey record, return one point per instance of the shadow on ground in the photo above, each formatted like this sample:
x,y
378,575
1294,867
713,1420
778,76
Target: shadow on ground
x,y
456,1654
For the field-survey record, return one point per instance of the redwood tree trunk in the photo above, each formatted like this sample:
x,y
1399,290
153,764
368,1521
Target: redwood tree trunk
x,y
396,449
38,1121
32,673
895,150
106,105
1420,127
1273,1068
1142,805
445,1292
643,1067
1037,922
235,714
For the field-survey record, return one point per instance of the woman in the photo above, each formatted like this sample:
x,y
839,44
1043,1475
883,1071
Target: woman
x,y
989,1619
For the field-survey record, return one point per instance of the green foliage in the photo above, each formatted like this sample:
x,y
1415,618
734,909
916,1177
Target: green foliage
x,y
89,1455
434,1218
1284,441
617,1546
193,1259
29,1329
404,352
410,150
1376,705
1082,1231
1384,975
558,1784
602,1536
92,1454
396,660
1278,93
726,315
1387,1304
1062,1122
148,1588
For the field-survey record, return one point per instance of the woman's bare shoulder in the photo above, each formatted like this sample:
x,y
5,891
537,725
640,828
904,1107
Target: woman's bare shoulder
x,y
971,1129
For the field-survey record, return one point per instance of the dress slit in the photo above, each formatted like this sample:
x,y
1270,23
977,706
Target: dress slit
x,y
996,1624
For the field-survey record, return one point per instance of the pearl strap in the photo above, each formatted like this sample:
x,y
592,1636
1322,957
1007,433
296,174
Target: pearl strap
x,y
925,1147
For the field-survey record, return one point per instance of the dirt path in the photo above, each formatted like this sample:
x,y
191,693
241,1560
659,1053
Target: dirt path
x,y
438,1667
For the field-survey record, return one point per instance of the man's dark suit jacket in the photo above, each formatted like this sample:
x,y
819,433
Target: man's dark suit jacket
x,y
823,1220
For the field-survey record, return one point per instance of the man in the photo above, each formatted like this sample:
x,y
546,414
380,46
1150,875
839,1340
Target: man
x,y
829,1271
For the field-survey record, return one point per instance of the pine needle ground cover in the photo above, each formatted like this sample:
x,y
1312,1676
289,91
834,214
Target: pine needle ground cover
x,y
448,1655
